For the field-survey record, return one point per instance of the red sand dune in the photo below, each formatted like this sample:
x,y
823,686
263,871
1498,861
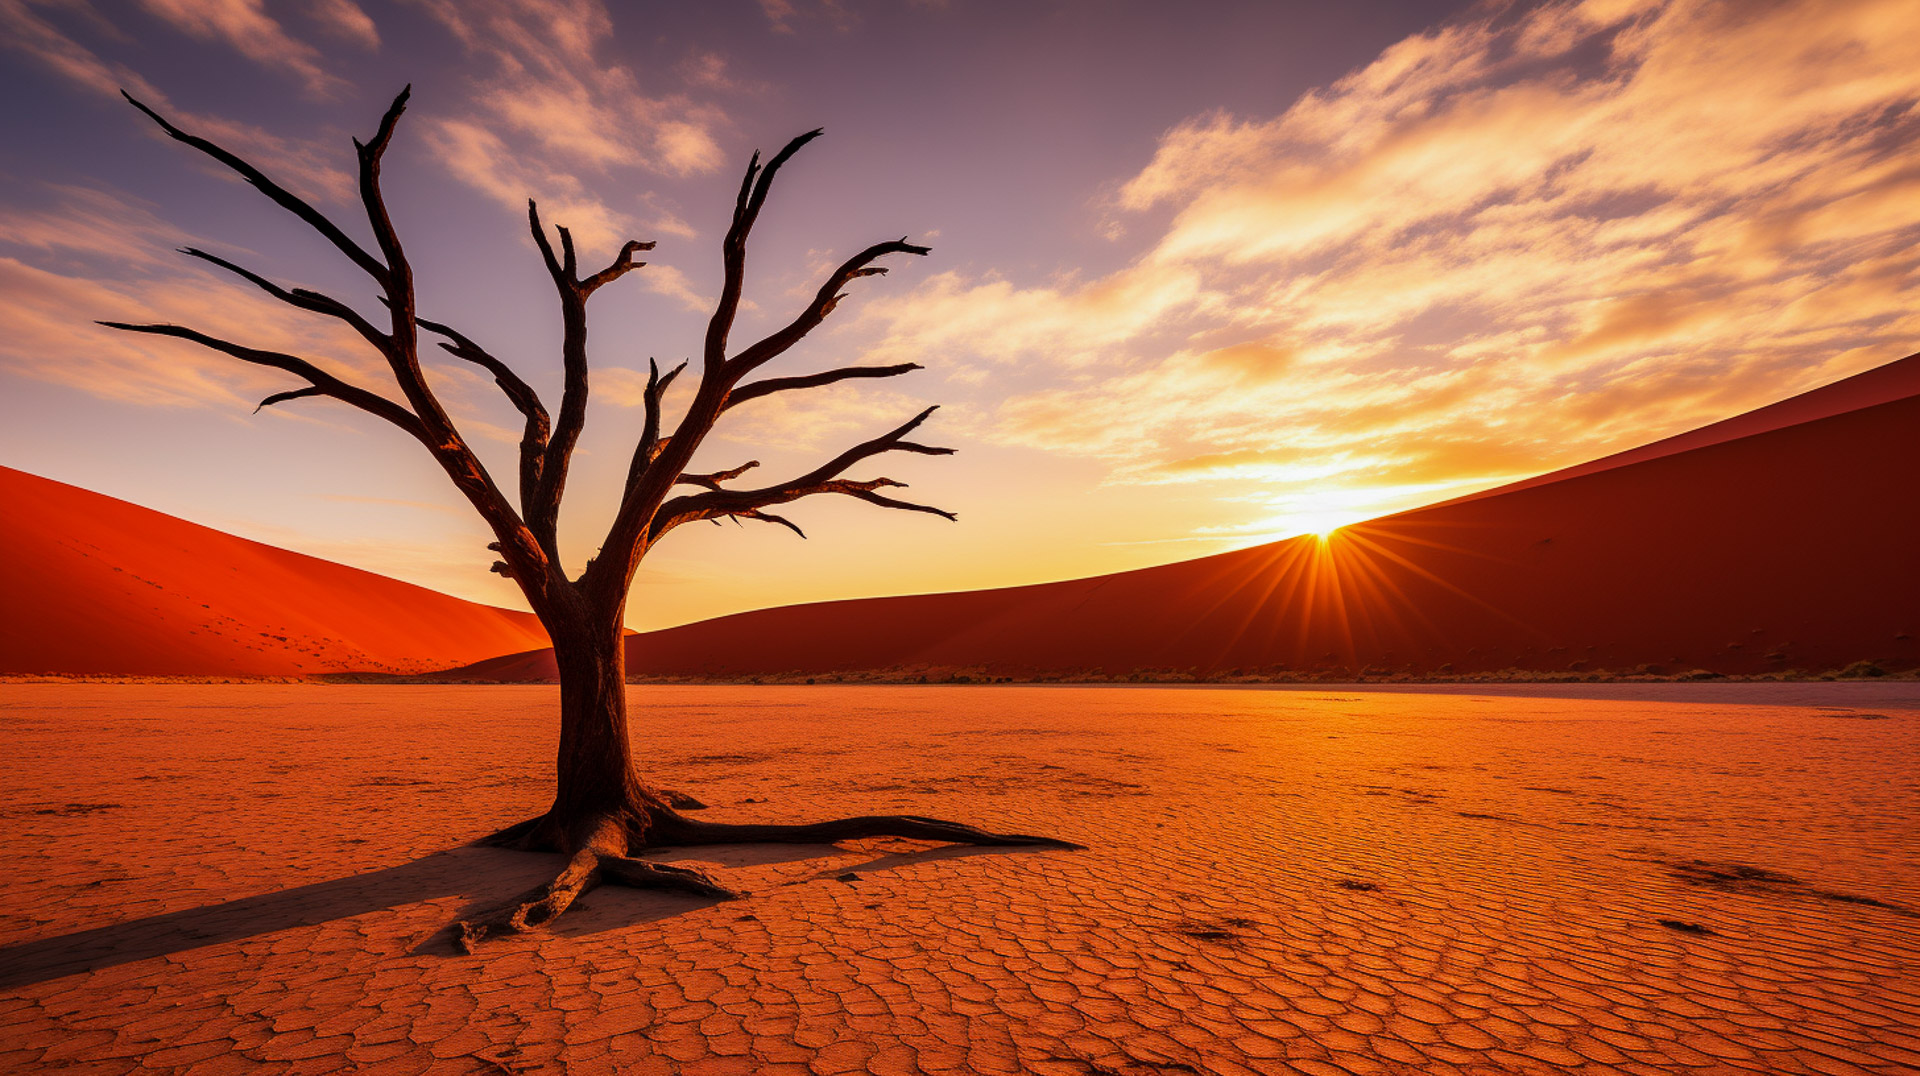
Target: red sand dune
x,y
1780,540
1894,381
90,584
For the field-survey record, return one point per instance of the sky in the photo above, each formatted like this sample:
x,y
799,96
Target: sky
x,y
1203,276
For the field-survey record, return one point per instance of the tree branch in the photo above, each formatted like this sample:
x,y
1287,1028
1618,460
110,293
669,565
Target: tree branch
x,y
319,381
299,297
622,265
746,208
423,417
651,443
518,392
290,394
809,381
717,502
660,463
281,196
769,517
533,435
712,481
891,441
824,301
543,506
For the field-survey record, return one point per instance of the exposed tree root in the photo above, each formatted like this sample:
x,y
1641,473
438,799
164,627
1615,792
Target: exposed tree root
x,y
601,858
604,855
686,831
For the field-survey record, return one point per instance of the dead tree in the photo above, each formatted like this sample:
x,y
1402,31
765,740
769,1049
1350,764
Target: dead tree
x,y
602,812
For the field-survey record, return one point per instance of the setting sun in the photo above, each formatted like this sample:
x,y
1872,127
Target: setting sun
x,y
1376,514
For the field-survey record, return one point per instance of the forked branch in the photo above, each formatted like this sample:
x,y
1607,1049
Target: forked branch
x,y
772,385
301,298
286,199
533,434
651,443
718,503
319,382
746,209
422,415
542,506
824,300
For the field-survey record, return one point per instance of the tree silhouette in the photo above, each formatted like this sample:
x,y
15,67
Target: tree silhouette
x,y
602,811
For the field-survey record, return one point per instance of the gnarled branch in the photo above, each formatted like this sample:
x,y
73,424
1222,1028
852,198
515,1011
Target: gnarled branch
x,y
542,508
712,481
302,298
811,381
533,434
286,199
719,503
829,296
769,517
320,383
650,443
422,416
623,264
746,209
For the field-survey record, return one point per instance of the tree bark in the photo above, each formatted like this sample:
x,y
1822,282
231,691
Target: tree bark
x,y
595,764
602,812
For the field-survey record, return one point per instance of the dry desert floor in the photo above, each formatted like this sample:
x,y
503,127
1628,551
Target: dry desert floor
x,y
1662,878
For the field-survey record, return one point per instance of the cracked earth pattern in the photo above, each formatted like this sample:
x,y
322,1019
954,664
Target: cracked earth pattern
x,y
257,878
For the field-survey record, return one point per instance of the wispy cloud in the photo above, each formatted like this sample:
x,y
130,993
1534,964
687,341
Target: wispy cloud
x,y
98,255
300,166
51,337
88,221
346,19
784,15
246,26
551,115
1507,244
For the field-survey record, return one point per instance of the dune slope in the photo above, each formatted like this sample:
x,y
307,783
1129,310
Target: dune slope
x,y
90,584
1777,541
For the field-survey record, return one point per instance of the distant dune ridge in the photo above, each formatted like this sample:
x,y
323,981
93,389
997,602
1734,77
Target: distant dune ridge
x,y
90,584
1785,539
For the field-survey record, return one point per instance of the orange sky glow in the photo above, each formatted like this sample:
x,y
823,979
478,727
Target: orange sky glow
x,y
1467,247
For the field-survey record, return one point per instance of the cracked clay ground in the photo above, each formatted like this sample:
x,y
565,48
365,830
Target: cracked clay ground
x,y
254,878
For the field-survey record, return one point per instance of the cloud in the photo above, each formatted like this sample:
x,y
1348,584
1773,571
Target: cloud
x,y
246,26
93,254
88,221
51,337
1512,242
569,114
1071,322
345,19
298,166
782,14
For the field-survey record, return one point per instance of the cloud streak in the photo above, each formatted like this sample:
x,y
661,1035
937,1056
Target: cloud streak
x,y
550,115
296,165
249,30
1509,243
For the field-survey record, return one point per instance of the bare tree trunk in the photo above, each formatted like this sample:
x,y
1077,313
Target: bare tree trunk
x,y
602,812
595,765
599,801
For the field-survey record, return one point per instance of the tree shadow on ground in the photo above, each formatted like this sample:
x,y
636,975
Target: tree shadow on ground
x,y
484,875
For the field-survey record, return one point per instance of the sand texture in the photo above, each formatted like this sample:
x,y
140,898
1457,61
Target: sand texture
x,y
97,585
254,878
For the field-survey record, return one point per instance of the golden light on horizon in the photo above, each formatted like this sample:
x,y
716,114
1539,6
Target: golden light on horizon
x,y
1321,512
